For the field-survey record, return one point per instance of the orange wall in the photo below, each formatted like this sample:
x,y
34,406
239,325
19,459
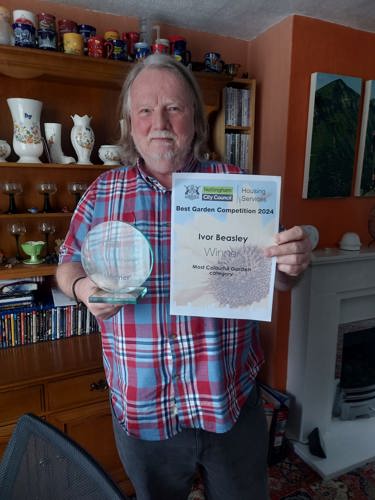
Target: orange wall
x,y
282,60
270,62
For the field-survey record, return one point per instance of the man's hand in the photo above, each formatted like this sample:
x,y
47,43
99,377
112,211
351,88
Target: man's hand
x,y
85,288
293,254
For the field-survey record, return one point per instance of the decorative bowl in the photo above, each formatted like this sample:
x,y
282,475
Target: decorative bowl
x,y
110,154
33,248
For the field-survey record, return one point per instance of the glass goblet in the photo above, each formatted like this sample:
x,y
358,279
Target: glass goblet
x,y
17,229
77,189
11,189
46,189
47,228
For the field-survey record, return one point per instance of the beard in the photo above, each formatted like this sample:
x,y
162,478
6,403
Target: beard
x,y
169,154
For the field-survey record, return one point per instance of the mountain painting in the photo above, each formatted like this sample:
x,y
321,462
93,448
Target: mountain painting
x,y
331,135
365,178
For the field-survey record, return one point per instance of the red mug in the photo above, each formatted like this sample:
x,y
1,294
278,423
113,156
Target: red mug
x,y
131,37
95,46
159,48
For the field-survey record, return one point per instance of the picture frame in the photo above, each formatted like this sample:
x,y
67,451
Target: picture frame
x,y
365,174
331,135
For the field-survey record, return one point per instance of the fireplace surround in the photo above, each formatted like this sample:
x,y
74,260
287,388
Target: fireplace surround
x,y
337,288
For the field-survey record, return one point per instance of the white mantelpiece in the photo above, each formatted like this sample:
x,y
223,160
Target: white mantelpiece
x,y
338,287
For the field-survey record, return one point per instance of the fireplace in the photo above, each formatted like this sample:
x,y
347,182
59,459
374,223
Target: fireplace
x,y
338,289
355,370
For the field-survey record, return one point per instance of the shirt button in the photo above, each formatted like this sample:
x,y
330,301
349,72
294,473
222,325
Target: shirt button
x,y
174,411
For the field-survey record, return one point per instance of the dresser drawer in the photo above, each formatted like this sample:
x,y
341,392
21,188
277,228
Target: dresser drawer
x,y
76,391
16,402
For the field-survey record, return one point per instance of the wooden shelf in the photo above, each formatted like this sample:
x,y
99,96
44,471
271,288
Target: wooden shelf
x,y
27,271
39,215
53,166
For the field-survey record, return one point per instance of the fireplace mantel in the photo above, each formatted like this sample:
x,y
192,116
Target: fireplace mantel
x,y
338,287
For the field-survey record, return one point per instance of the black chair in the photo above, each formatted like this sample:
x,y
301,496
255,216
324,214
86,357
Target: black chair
x,y
42,463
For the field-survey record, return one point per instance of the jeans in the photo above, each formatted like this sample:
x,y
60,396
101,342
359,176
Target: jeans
x,y
233,465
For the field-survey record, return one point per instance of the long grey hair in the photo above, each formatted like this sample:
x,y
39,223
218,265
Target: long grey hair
x,y
168,63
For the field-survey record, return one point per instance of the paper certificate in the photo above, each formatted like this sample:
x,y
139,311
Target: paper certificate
x,y
220,225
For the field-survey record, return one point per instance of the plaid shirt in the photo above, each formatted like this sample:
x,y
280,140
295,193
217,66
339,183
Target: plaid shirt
x,y
165,372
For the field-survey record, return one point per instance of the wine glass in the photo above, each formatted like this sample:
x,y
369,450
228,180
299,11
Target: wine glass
x,y
77,189
17,229
11,189
46,189
47,228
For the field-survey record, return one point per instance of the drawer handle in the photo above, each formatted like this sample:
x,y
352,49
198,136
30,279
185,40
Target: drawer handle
x,y
100,385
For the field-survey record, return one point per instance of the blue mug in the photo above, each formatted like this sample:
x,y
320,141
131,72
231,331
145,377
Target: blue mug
x,y
119,52
86,30
212,62
142,50
24,35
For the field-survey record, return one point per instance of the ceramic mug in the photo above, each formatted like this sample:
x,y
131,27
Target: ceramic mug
x,y
46,21
111,35
47,39
24,35
142,50
159,48
212,62
119,52
183,56
86,30
95,46
65,26
131,37
73,44
24,17
176,39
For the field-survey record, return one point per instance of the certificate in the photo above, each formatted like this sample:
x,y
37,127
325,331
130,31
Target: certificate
x,y
220,225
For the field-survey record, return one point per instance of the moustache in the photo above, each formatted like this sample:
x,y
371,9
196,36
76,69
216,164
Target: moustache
x,y
162,134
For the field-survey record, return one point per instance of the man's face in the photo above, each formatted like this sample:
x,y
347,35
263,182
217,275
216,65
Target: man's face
x,y
162,120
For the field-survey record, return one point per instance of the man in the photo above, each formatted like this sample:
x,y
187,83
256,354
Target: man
x,y
182,389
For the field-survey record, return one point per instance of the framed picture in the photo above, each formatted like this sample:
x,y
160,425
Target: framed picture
x,y
331,135
365,177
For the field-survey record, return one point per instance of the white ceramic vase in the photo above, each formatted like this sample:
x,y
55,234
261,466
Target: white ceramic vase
x,y
82,137
53,138
27,139
5,150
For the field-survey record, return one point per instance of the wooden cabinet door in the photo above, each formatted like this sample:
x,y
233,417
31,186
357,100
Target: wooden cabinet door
x,y
91,428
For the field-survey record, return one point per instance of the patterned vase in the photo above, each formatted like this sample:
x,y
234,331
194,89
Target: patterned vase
x,y
82,137
27,139
53,138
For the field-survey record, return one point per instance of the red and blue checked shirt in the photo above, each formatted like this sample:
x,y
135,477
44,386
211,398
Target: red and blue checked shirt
x,y
165,372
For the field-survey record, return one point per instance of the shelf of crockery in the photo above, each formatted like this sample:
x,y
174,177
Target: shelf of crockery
x,y
29,207
17,62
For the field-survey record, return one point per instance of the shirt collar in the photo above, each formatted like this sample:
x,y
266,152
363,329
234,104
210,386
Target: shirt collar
x,y
191,165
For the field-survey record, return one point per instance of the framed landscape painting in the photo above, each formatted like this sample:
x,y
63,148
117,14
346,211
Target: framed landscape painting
x,y
331,135
365,178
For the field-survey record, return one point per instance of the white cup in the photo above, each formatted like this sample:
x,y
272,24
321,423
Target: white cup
x,y
22,16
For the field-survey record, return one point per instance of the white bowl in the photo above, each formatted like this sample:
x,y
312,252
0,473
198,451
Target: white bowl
x,y
350,241
110,154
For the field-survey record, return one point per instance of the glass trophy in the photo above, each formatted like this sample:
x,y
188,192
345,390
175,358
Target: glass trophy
x,y
118,258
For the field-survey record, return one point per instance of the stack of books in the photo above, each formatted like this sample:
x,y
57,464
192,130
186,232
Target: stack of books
x,y
276,407
17,294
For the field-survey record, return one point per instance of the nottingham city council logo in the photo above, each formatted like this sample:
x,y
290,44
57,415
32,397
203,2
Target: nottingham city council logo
x,y
192,192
